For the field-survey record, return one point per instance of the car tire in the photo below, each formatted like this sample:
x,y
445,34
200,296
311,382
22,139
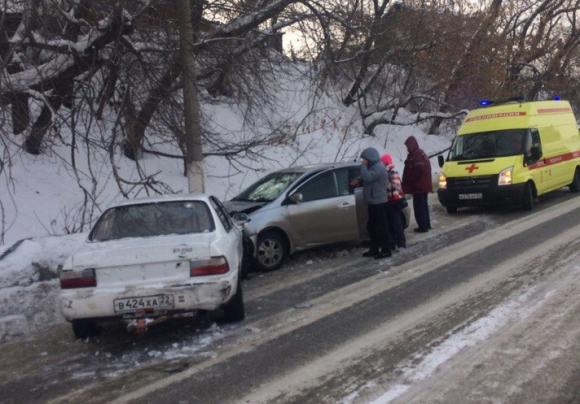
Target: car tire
x,y
244,270
528,197
272,251
451,209
247,264
234,310
575,185
85,328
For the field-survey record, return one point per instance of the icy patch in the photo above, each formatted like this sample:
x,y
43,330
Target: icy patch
x,y
107,365
424,365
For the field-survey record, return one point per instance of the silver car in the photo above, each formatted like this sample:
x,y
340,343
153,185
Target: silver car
x,y
302,207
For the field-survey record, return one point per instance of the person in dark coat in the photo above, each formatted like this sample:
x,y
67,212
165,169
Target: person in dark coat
x,y
417,182
373,175
395,204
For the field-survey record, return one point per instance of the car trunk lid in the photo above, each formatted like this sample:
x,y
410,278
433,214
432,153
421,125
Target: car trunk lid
x,y
140,261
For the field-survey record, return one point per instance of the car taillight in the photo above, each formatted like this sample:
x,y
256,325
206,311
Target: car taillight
x,y
213,266
78,279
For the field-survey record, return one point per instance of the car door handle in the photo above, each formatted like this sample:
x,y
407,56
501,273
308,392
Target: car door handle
x,y
346,205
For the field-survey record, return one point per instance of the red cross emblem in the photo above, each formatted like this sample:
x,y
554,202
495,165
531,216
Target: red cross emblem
x,y
472,168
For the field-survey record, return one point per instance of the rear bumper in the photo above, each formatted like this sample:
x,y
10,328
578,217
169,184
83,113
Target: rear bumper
x,y
98,302
490,196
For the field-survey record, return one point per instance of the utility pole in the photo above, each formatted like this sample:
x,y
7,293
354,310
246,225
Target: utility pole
x,y
193,145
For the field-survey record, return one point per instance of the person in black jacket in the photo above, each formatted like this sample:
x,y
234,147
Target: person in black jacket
x,y
417,182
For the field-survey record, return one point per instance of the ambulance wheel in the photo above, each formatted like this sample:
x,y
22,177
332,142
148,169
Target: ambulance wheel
x,y
85,328
451,209
528,197
575,185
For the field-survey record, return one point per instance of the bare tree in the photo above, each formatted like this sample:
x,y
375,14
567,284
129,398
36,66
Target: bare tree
x,y
541,39
458,71
101,75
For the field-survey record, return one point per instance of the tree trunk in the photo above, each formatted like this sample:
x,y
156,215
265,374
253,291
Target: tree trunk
x,y
194,156
41,126
20,113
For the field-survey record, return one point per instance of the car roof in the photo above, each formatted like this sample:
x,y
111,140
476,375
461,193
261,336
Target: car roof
x,y
317,167
164,198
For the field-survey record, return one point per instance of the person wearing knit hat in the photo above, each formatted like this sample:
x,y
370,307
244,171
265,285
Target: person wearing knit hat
x,y
395,202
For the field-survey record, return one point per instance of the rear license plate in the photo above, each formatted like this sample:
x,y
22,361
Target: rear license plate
x,y
470,196
132,304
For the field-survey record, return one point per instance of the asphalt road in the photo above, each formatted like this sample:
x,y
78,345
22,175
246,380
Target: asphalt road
x,y
329,327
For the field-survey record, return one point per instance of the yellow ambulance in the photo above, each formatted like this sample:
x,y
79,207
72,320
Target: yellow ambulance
x,y
511,153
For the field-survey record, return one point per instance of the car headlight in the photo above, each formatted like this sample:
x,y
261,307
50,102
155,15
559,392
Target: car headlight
x,y
442,181
506,176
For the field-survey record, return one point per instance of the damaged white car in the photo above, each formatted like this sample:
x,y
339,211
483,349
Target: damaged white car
x,y
149,259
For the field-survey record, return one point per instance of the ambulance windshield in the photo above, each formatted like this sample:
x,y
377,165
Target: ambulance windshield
x,y
501,143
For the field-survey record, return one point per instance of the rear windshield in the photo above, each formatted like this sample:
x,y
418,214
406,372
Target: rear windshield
x,y
501,143
153,219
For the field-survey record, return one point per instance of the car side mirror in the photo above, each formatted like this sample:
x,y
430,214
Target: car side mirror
x,y
297,198
441,160
241,218
535,154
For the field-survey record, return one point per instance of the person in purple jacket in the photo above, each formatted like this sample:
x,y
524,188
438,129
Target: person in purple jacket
x,y
417,182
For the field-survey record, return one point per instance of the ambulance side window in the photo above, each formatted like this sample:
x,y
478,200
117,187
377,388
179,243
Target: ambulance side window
x,y
533,141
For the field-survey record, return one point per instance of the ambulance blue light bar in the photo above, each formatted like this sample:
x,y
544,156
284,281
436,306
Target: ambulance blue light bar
x,y
556,98
485,103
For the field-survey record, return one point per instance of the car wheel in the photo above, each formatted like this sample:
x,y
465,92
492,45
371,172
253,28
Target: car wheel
x,y
528,197
272,251
244,270
451,209
85,328
247,261
575,185
234,310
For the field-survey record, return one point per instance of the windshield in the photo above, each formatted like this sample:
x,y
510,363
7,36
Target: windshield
x,y
488,145
154,219
268,188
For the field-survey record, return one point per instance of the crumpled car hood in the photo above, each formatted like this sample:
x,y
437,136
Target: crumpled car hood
x,y
243,206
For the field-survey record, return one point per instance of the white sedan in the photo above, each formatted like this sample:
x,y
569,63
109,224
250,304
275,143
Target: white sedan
x,y
148,259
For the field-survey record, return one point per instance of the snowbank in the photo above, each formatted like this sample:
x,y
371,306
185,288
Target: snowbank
x,y
28,284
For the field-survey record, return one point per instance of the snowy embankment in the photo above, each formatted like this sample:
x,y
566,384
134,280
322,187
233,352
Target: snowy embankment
x,y
28,284
41,195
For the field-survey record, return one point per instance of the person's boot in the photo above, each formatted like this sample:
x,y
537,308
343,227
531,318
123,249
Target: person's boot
x,y
370,253
383,254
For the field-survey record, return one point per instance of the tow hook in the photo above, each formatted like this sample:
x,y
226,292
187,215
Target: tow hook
x,y
140,326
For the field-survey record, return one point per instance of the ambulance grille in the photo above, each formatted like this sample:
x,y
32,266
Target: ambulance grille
x,y
478,182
